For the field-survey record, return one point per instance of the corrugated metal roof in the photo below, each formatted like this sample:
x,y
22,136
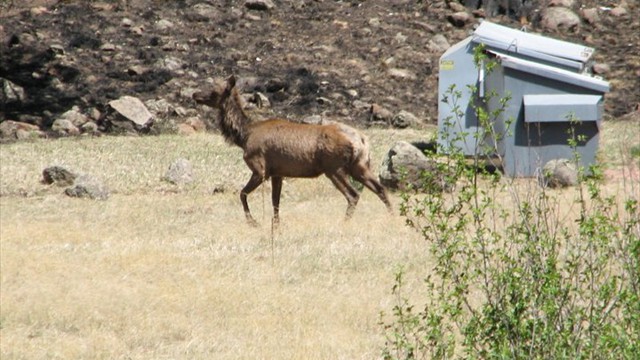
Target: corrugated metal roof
x,y
551,72
532,45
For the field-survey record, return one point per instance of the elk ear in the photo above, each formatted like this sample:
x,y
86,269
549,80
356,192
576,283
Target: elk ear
x,y
231,82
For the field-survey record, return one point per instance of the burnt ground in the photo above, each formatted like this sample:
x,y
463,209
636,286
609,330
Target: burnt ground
x,y
308,56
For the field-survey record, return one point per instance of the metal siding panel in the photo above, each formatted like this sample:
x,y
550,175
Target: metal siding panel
x,y
557,107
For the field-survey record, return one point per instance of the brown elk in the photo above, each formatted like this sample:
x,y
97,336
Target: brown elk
x,y
279,148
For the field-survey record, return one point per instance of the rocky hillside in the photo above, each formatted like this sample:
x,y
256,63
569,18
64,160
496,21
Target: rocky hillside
x,y
357,61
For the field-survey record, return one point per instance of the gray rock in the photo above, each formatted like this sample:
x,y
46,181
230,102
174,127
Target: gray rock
x,y
170,63
563,3
180,172
64,127
438,44
202,12
11,92
591,16
619,11
401,74
460,19
163,25
404,119
558,173
261,5
557,18
10,129
87,186
74,116
601,69
456,6
159,107
133,109
90,128
407,167
58,175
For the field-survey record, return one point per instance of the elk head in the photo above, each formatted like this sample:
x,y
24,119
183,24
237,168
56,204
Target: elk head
x,y
217,94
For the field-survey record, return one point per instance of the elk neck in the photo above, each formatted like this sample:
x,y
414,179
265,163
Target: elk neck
x,y
233,121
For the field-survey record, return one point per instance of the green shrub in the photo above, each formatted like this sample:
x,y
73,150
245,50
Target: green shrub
x,y
515,277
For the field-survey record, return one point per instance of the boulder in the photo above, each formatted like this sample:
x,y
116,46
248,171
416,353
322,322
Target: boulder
x,y
10,92
74,116
129,113
407,167
12,130
57,175
401,74
591,16
87,186
180,172
460,19
619,11
404,119
262,5
563,3
438,44
64,127
202,12
558,173
560,18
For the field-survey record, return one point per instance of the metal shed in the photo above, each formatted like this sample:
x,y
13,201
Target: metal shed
x,y
548,83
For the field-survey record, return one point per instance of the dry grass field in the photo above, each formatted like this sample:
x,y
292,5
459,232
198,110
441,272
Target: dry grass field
x,y
164,272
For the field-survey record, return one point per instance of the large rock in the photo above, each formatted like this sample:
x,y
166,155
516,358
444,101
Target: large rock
x,y
261,5
560,18
64,127
58,175
75,117
129,113
438,44
180,172
12,130
132,109
404,119
559,173
407,167
10,92
87,186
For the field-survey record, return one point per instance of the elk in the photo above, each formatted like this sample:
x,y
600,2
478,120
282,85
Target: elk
x,y
278,148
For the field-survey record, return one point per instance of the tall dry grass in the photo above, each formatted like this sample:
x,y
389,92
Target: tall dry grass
x,y
159,272
165,272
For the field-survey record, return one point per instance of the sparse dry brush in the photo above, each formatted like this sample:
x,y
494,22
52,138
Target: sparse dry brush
x,y
159,271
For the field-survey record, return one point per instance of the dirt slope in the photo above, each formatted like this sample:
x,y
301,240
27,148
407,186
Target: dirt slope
x,y
309,57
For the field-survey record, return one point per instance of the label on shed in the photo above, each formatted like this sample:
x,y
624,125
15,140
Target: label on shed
x,y
447,64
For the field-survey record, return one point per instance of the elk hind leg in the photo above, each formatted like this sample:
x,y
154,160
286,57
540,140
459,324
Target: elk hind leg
x,y
255,181
363,175
341,182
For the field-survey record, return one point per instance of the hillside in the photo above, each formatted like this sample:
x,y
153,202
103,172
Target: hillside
x,y
334,58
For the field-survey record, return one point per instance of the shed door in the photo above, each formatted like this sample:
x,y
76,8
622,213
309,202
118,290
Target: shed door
x,y
561,107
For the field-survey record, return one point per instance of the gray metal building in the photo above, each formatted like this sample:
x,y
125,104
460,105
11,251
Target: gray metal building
x,y
548,83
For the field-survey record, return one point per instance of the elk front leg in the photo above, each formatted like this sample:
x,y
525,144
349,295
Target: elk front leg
x,y
254,182
276,189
